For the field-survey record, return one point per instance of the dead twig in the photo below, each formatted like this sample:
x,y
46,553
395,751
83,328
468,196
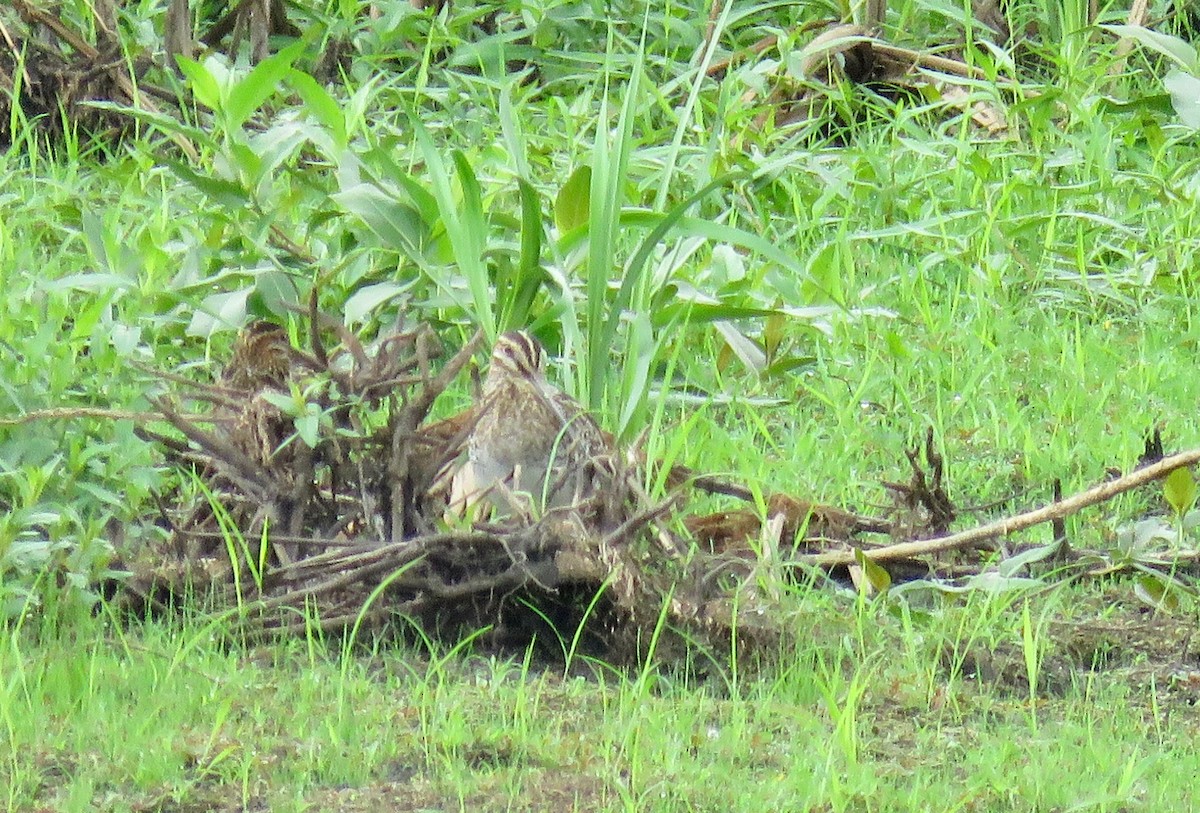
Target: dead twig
x,y
15,52
74,413
1009,525
1137,17
404,425
940,64
237,464
710,28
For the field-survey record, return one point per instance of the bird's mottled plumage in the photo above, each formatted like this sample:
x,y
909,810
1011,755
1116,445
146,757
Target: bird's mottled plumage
x,y
261,358
530,437
261,361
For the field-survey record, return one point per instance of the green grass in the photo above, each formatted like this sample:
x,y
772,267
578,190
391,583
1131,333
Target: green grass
x,y
821,300
856,716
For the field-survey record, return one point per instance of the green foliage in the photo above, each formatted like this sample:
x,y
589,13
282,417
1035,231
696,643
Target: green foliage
x,y
874,579
1180,490
783,306
1182,82
441,237
572,205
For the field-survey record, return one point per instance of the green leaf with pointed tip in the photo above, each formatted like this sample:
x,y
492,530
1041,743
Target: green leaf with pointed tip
x,y
321,106
308,427
249,94
363,302
468,233
203,82
773,333
1185,96
877,576
746,349
396,223
640,349
517,301
463,220
230,194
1180,490
1157,592
1183,53
787,364
1030,649
220,310
573,206
896,347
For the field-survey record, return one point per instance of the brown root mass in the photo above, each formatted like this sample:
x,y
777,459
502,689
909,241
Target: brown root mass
x,y
52,74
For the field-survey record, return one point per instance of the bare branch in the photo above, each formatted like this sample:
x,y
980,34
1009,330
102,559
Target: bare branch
x,y
1009,525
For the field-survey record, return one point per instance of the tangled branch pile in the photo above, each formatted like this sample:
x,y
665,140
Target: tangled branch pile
x,y
320,498
49,71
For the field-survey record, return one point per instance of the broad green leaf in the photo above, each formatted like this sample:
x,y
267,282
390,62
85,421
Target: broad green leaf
x,y
489,55
468,234
989,582
125,339
365,300
1180,490
463,222
1137,538
896,347
202,80
93,235
1191,520
877,577
1171,47
1185,96
1153,102
786,364
274,292
103,495
425,203
773,333
246,162
283,401
257,86
1030,649
321,106
572,205
514,137
702,312
716,232
1013,564
168,124
397,224
531,229
1157,591
742,346
825,269
91,282
391,172
727,265
220,311
278,144
230,194
530,276
308,427
639,358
